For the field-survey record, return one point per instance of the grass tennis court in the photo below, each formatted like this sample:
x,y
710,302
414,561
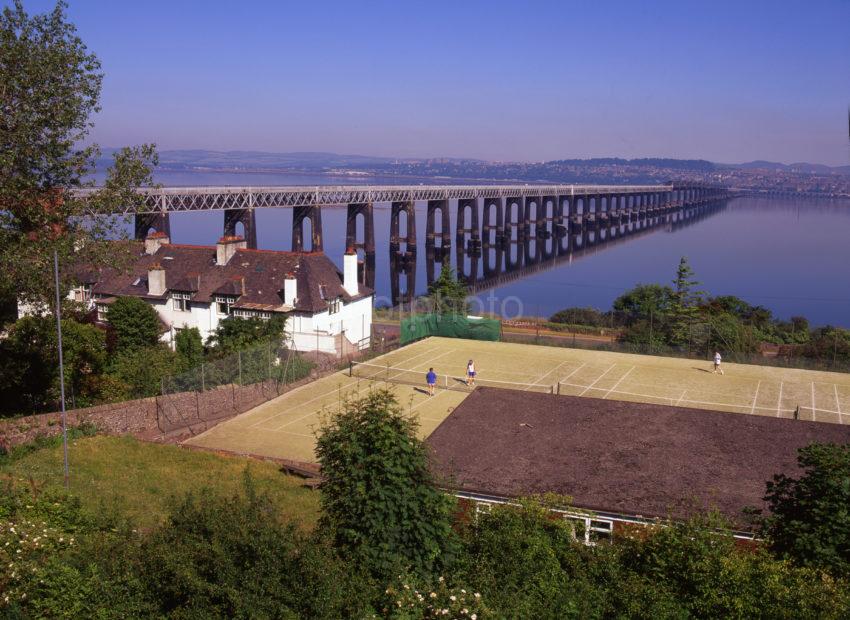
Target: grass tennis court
x,y
285,426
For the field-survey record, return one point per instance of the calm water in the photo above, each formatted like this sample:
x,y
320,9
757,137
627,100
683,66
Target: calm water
x,y
789,256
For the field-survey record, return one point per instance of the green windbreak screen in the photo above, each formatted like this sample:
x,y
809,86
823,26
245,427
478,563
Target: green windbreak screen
x,y
449,325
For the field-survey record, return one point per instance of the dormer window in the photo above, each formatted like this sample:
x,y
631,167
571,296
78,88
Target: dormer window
x,y
83,293
181,301
223,304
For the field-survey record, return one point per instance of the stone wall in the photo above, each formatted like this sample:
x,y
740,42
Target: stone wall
x,y
184,413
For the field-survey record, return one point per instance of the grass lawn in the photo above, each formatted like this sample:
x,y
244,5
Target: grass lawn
x,y
139,479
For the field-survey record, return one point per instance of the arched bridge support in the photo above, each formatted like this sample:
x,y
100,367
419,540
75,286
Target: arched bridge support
x,y
314,215
144,222
366,245
436,254
248,219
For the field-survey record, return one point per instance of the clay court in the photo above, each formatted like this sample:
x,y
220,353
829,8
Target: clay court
x,y
285,427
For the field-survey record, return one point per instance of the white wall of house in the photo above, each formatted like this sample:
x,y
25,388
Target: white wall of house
x,y
204,316
308,332
354,320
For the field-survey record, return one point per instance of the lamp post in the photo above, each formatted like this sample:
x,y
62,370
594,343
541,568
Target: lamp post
x,y
61,366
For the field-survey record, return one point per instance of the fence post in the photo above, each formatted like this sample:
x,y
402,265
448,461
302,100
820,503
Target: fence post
x,y
239,364
203,387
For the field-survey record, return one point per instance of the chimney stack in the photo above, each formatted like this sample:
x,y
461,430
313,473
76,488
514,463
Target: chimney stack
x,y
226,248
154,241
349,273
156,280
290,289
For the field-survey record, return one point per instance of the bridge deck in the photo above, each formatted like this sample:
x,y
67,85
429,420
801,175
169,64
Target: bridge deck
x,y
247,197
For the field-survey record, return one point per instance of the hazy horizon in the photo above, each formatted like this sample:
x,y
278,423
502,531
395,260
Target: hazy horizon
x,y
724,82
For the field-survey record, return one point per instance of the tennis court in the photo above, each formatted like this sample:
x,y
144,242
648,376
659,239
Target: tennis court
x,y
285,426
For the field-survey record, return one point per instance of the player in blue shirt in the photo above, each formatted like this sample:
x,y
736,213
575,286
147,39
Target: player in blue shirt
x,y
431,379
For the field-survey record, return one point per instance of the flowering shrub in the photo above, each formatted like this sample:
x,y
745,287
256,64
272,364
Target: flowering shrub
x,y
404,601
33,527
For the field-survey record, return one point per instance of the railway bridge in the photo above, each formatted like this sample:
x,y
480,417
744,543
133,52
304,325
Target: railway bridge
x,y
506,228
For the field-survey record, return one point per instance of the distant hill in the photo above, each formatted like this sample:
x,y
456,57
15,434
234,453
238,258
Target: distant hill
x,y
309,161
796,167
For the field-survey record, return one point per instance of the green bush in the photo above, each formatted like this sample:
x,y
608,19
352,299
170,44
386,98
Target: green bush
x,y
135,323
233,558
380,502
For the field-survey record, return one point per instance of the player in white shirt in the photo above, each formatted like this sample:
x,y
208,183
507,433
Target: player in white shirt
x,y
717,360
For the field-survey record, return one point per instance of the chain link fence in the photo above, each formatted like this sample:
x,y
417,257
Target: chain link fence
x,y
223,387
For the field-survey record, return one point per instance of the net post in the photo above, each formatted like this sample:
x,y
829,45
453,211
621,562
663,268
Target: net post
x,y
559,388
350,368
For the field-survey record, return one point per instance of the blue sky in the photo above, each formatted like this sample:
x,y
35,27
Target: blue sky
x,y
725,81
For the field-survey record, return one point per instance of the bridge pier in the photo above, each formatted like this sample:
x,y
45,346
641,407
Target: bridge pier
x,y
366,268
159,222
467,239
562,225
514,231
437,254
299,216
493,235
402,261
531,223
248,219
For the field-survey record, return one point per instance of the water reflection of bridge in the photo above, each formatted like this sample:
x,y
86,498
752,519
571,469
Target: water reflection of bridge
x,y
499,255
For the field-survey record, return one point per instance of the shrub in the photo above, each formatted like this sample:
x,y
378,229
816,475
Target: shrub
x,y
379,499
135,323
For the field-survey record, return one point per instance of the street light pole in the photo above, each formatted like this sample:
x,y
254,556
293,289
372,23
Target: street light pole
x,y
61,366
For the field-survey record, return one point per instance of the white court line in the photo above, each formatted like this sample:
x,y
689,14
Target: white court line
x,y
755,398
429,399
583,364
616,385
298,406
678,402
837,403
695,402
597,379
549,372
779,403
314,413
814,417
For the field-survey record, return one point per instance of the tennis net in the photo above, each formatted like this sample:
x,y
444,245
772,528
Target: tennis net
x,y
405,376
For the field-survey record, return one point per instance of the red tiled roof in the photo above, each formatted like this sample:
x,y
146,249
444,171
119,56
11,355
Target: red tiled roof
x,y
193,269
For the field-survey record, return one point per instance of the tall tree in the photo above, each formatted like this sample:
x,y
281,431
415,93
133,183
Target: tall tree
x,y
50,87
684,302
447,294
379,499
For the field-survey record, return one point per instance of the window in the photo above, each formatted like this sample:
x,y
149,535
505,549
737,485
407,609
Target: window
x,y
223,304
181,301
334,306
82,293
251,314
102,311
591,531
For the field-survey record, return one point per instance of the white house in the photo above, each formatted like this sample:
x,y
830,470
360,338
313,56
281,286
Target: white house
x,y
199,286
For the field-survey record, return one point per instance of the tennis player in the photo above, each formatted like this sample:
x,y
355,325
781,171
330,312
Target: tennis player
x,y
717,360
431,379
470,373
